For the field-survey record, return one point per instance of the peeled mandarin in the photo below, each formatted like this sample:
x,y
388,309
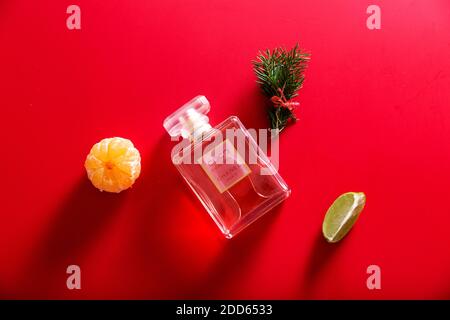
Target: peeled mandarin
x,y
113,164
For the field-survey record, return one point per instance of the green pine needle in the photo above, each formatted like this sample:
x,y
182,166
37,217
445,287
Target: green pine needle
x,y
281,69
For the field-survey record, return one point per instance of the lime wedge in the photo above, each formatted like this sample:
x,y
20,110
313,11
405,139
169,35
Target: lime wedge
x,y
342,215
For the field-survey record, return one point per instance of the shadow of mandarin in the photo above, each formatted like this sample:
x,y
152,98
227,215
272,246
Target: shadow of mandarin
x,y
83,217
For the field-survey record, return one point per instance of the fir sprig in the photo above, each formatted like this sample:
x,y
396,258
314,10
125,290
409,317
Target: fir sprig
x,y
280,74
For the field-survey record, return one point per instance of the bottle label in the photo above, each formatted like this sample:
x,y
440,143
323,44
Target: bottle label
x,y
224,166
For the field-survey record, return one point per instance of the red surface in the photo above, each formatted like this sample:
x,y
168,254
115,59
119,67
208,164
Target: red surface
x,y
374,117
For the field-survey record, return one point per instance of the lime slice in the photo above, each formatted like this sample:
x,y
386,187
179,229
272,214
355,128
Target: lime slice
x,y
342,215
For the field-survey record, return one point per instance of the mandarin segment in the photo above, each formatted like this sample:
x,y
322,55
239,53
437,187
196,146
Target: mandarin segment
x,y
113,164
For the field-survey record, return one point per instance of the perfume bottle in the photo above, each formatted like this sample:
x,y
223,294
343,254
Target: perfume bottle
x,y
224,166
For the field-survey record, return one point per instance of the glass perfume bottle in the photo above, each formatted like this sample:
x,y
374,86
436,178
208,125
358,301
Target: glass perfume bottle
x,y
224,166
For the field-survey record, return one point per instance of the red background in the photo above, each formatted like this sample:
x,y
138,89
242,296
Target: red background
x,y
374,117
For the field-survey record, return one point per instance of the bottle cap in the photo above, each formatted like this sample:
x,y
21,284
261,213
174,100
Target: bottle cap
x,y
190,120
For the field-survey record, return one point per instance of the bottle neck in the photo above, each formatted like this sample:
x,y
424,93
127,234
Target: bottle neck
x,y
194,125
200,132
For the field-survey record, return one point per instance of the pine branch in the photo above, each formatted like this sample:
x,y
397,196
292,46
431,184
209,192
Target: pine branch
x,y
280,73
